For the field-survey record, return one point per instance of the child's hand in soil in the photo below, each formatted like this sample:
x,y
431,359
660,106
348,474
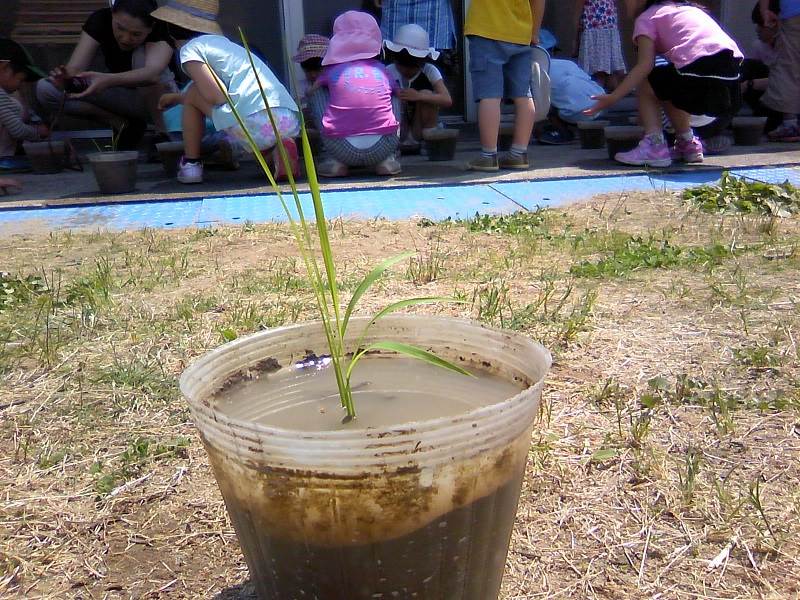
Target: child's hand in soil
x,y
43,131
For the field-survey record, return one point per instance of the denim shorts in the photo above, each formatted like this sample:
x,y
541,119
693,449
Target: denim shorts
x,y
499,69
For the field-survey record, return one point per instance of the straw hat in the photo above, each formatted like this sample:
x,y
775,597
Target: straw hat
x,y
194,15
311,46
356,36
413,39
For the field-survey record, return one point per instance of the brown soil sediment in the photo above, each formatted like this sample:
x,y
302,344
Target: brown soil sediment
x,y
365,507
374,535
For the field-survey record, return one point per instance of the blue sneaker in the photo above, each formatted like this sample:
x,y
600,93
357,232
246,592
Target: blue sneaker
x,y
14,164
555,137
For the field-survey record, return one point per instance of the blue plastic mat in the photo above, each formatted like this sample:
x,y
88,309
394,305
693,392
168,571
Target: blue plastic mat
x,y
433,202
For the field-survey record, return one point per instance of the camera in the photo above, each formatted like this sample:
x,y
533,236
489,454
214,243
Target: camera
x,y
76,85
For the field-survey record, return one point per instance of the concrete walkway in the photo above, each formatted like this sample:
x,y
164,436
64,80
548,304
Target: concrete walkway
x,y
547,162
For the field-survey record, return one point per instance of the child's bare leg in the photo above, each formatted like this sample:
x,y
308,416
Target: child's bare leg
x,y
151,95
680,118
649,109
489,121
195,110
425,117
524,116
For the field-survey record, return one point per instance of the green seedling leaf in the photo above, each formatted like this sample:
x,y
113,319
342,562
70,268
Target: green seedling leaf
x,y
410,351
367,282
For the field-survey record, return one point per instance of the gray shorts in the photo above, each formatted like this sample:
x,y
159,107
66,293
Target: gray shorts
x,y
499,69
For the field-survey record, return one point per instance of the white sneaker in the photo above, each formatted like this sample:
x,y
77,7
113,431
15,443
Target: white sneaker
x,y
390,166
190,172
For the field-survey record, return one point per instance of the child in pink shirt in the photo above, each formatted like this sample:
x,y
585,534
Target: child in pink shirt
x,y
353,100
701,78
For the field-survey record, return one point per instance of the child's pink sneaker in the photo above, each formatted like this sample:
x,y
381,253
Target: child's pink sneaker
x,y
689,151
647,153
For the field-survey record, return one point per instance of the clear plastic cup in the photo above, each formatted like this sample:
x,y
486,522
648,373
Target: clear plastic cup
x,y
416,510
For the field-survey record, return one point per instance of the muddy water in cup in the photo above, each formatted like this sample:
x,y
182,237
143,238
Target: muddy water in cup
x,y
456,553
385,392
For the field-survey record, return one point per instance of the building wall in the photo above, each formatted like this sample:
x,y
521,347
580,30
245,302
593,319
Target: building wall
x,y
262,23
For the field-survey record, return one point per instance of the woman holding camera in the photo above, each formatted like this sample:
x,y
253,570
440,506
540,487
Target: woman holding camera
x,y
137,51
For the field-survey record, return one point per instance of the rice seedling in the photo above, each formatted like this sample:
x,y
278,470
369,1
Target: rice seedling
x,y
334,319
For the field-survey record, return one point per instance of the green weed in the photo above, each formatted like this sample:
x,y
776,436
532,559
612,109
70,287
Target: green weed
x,y
145,375
491,303
758,356
139,453
518,223
687,474
735,194
427,266
639,253
753,496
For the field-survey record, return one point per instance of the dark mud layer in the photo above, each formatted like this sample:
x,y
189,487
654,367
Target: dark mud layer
x,y
458,556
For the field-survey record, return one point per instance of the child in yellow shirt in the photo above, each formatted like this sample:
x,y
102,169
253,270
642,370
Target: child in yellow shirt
x,y
500,34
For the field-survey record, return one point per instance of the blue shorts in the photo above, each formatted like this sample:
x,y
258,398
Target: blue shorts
x,y
497,67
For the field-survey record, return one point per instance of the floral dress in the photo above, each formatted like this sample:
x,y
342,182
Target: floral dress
x,y
600,45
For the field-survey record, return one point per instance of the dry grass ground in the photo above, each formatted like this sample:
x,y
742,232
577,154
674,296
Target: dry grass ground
x,y
666,465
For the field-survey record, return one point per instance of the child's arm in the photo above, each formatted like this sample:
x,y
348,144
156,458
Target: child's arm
x,y
157,58
537,11
439,97
17,128
206,82
646,57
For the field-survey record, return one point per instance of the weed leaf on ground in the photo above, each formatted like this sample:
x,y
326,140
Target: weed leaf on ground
x,y
736,194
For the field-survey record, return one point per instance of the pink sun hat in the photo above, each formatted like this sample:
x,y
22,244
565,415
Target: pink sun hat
x,y
311,46
356,36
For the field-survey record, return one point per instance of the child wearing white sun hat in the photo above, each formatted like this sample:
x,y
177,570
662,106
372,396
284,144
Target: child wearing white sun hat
x,y
420,84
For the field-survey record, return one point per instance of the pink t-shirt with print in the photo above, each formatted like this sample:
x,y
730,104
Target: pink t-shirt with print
x,y
360,99
683,33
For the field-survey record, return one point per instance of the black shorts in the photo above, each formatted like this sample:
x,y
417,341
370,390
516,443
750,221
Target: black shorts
x,y
708,86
